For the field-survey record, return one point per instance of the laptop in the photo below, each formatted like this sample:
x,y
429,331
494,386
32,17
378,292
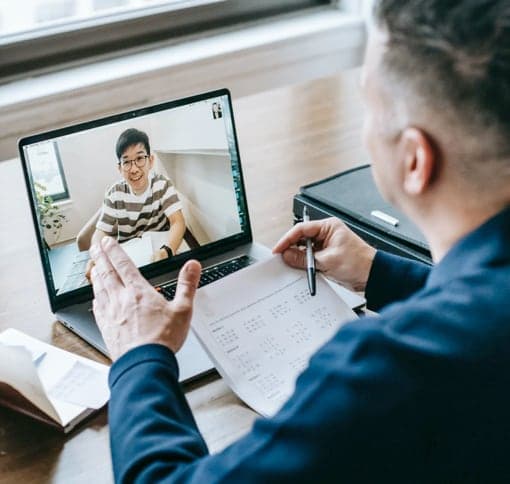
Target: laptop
x,y
84,177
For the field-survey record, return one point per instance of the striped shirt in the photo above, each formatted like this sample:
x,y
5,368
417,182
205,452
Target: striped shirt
x,y
125,215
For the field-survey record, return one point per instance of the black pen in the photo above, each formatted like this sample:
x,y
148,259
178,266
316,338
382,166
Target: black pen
x,y
310,260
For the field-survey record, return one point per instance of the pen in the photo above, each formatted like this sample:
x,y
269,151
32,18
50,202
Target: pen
x,y
310,261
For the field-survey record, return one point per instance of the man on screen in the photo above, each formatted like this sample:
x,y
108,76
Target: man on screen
x,y
142,201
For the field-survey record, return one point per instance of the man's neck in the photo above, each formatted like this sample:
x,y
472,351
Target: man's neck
x,y
445,225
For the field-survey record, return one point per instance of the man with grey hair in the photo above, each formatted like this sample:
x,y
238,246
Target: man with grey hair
x,y
419,393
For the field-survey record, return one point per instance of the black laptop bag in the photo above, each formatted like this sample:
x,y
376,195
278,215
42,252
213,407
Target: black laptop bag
x,y
353,197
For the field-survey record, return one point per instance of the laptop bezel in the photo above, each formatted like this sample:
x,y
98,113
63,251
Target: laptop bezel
x,y
152,270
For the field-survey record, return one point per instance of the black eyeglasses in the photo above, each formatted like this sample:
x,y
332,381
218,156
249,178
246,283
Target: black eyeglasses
x,y
139,161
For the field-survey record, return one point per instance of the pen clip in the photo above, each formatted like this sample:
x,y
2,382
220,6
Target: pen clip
x,y
306,217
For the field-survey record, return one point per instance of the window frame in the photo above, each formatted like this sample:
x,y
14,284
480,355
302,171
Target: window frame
x,y
63,195
113,35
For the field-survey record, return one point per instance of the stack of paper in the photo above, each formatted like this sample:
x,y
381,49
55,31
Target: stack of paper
x,y
47,383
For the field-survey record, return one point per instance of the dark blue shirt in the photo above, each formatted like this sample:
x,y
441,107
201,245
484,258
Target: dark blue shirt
x,y
420,393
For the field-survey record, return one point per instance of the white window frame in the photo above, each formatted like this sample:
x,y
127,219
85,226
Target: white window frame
x,y
248,59
112,35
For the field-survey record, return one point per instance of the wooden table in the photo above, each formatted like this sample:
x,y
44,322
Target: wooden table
x,y
288,137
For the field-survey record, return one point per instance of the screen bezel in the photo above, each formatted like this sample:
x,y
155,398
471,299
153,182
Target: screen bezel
x,y
59,301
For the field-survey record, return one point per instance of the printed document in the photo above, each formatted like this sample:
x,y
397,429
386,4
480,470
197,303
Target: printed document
x,y
260,327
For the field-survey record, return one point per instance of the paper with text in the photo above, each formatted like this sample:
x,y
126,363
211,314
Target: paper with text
x,y
82,385
57,366
260,326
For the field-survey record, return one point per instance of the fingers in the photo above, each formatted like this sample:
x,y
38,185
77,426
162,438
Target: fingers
x,y
104,274
88,269
101,299
295,234
187,283
124,267
295,258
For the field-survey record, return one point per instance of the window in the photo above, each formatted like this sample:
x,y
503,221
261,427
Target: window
x,y
46,12
47,172
73,31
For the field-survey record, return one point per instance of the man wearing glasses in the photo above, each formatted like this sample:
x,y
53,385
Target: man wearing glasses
x,y
142,201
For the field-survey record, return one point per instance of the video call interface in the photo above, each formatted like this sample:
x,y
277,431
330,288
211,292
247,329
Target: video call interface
x,y
162,184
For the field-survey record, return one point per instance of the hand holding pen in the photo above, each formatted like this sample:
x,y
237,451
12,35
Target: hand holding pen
x,y
337,251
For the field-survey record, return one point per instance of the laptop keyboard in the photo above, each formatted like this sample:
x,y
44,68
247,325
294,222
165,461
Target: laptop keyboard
x,y
210,274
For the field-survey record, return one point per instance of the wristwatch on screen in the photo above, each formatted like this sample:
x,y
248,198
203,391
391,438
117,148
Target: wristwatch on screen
x,y
168,250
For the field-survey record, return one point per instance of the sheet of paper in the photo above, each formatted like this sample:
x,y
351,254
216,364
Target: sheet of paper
x,y
353,299
139,249
260,326
82,385
36,353
158,239
54,367
18,370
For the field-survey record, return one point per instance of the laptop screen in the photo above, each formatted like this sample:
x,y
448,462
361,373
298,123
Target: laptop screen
x,y
164,181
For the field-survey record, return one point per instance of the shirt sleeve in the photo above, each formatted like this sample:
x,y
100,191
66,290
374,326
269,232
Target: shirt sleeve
x,y
320,435
170,202
417,394
107,220
393,278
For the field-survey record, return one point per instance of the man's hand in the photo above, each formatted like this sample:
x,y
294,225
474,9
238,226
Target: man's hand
x,y
88,269
339,252
129,311
97,236
159,254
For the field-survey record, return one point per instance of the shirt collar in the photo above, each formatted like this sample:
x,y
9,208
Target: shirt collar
x,y
486,245
149,185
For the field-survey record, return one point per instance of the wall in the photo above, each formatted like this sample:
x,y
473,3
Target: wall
x,y
194,127
205,180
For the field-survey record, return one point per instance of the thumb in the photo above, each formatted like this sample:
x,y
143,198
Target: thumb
x,y
189,277
295,258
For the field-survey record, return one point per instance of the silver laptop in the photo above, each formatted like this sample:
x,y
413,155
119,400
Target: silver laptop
x,y
131,175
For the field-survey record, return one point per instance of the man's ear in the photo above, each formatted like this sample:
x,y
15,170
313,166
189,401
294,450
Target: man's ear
x,y
420,161
151,160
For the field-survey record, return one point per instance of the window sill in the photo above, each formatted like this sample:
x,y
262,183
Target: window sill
x,y
248,60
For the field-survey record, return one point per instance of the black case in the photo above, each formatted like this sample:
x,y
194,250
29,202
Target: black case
x,y
352,196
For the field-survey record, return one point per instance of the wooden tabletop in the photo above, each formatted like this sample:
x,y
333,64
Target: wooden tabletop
x,y
288,137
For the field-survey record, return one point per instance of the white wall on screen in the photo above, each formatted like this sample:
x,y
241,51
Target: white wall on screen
x,y
204,178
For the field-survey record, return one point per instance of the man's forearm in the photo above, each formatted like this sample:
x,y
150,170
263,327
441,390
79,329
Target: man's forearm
x,y
176,234
393,279
142,453
326,432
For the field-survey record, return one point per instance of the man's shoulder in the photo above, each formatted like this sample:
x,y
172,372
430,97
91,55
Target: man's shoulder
x,y
116,194
465,315
159,181
119,186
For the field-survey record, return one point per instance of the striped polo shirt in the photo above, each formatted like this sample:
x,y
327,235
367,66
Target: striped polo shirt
x,y
125,215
